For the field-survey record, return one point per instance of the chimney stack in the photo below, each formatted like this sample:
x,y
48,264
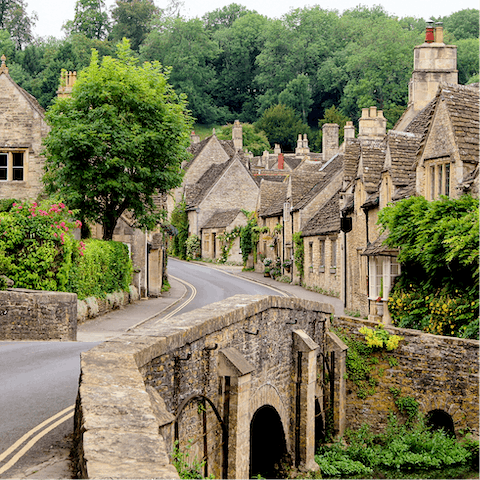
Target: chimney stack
x,y
281,161
237,135
348,131
67,81
194,138
329,140
372,125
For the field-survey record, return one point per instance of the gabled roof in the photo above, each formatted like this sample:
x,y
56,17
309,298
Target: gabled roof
x,y
420,122
372,159
194,194
196,148
309,166
221,219
327,220
327,171
352,157
403,148
270,177
292,162
272,197
462,102
302,183
28,97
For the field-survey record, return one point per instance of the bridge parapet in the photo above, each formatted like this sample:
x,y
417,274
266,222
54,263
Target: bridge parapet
x,y
143,390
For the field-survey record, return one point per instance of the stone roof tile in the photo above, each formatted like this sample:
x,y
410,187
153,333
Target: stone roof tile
x,y
327,220
221,219
272,197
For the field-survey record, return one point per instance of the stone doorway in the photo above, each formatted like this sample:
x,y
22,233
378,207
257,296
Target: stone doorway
x,y
267,443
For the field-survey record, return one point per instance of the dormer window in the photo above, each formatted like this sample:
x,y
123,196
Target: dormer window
x,y
12,166
438,178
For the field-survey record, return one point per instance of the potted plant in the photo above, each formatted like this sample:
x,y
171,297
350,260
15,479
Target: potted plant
x,y
266,272
267,262
287,264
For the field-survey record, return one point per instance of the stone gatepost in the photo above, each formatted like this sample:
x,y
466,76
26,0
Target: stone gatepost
x,y
305,361
237,372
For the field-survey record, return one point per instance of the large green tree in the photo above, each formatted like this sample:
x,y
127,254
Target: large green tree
x,y
15,19
118,141
281,125
91,19
132,19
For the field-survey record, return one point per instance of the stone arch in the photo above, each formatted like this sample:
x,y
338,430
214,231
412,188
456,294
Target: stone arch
x,y
437,419
267,394
267,443
446,404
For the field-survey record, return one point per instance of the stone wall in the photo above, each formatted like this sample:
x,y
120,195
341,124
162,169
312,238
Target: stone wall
x,y
37,315
132,386
22,128
441,373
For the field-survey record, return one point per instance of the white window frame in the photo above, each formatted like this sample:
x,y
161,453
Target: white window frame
x,y
381,268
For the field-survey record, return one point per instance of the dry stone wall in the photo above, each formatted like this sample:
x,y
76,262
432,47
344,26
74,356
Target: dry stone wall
x,y
440,373
37,315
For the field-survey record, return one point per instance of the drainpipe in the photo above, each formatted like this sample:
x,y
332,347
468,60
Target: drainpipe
x,y
293,249
345,227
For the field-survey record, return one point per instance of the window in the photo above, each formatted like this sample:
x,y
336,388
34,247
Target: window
x,y
382,274
12,167
310,253
322,255
333,255
438,177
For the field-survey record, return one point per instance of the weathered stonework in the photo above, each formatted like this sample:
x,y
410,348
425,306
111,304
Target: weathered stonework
x,y
180,363
441,373
37,315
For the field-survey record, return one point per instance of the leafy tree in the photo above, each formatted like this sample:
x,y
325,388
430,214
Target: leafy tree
x,y
235,65
298,95
14,19
463,24
467,59
332,115
91,19
119,140
186,47
438,288
179,220
281,125
132,20
224,17
253,141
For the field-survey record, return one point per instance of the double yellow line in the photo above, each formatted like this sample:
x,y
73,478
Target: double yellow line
x,y
183,304
45,427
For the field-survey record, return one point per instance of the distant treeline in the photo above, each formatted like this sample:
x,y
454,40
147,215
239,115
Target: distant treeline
x,y
235,64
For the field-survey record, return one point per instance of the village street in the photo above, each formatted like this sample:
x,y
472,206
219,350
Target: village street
x,y
40,379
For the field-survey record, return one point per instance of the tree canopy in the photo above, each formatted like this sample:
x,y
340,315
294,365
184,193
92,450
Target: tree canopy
x,y
118,141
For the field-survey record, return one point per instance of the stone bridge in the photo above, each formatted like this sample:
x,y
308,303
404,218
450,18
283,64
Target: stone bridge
x,y
244,385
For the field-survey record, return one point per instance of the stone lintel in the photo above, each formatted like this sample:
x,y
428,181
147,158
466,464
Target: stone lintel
x,y
231,363
302,342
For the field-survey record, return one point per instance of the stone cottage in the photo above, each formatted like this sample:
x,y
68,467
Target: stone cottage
x,y
22,129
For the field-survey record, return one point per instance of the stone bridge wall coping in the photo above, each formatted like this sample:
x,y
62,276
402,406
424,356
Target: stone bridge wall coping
x,y
117,418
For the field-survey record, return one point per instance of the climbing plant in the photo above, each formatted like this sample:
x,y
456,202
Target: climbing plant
x,y
228,238
179,220
437,291
299,253
192,247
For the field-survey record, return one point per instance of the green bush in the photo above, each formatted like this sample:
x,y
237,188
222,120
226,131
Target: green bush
x,y
38,245
410,447
105,267
41,253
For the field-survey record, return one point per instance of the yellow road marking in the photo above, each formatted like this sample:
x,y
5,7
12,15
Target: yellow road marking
x,y
184,304
34,440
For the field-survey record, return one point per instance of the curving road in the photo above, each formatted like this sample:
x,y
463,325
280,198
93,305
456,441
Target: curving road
x,y
38,380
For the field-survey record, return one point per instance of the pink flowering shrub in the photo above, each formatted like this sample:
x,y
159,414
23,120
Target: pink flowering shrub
x,y
38,251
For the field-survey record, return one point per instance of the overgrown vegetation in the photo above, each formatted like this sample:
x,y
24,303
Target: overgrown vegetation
x,y
437,291
299,253
179,221
363,357
38,251
193,247
401,451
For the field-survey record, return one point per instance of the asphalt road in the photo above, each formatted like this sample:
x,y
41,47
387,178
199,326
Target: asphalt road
x,y
40,379
214,285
